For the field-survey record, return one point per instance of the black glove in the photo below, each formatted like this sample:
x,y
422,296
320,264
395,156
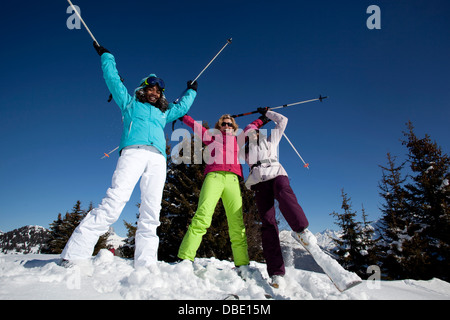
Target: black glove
x,y
192,86
100,50
173,122
263,111
264,119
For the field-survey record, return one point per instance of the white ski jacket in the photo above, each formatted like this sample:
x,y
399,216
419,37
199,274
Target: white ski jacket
x,y
262,157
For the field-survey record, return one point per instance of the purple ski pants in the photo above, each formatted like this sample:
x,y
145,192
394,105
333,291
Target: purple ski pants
x,y
266,192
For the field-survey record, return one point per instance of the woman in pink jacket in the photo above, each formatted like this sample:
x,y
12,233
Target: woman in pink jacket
x,y
223,171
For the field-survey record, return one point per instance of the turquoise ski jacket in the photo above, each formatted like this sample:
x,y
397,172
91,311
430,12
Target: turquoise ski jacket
x,y
143,124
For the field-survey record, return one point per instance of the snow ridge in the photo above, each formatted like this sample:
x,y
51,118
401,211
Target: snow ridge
x,y
106,276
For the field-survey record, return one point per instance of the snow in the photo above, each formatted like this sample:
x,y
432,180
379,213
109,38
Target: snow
x,y
444,184
107,277
115,240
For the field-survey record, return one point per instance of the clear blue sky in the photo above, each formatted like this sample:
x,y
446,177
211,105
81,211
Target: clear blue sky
x,y
56,123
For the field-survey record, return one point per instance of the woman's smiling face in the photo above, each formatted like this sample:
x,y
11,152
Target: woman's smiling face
x,y
152,94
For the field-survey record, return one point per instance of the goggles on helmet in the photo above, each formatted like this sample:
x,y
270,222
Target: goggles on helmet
x,y
152,81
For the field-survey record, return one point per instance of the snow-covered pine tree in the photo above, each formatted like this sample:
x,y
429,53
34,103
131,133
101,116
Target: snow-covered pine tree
x,y
369,250
349,246
395,221
429,201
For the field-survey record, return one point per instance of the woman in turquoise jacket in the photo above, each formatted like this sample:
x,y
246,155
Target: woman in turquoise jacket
x,y
142,156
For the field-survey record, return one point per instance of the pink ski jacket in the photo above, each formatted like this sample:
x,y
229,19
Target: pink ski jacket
x,y
222,149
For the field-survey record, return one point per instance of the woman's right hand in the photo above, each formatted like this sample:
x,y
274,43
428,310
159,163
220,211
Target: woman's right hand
x,y
100,50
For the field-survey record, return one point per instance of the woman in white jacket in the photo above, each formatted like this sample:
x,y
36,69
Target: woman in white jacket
x,y
270,181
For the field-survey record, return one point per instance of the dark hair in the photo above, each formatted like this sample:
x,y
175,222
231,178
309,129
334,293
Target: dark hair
x,y
260,136
162,103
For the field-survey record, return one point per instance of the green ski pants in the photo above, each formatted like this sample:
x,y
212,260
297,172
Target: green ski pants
x,y
225,185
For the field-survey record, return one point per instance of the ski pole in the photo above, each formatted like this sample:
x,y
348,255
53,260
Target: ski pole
x,y
306,165
198,76
228,42
320,98
283,106
106,155
81,19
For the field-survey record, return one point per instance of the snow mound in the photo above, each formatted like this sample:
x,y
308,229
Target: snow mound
x,y
106,277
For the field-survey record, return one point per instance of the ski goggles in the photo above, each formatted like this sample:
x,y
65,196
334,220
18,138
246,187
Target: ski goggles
x,y
152,81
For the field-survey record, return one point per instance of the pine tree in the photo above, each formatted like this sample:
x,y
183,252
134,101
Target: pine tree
x,y
127,250
395,221
429,202
369,250
349,249
62,228
73,219
57,239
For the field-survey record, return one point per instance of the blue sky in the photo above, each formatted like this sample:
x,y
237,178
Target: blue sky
x,y
56,122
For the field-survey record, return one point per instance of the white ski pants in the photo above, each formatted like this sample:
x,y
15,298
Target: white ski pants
x,y
135,162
